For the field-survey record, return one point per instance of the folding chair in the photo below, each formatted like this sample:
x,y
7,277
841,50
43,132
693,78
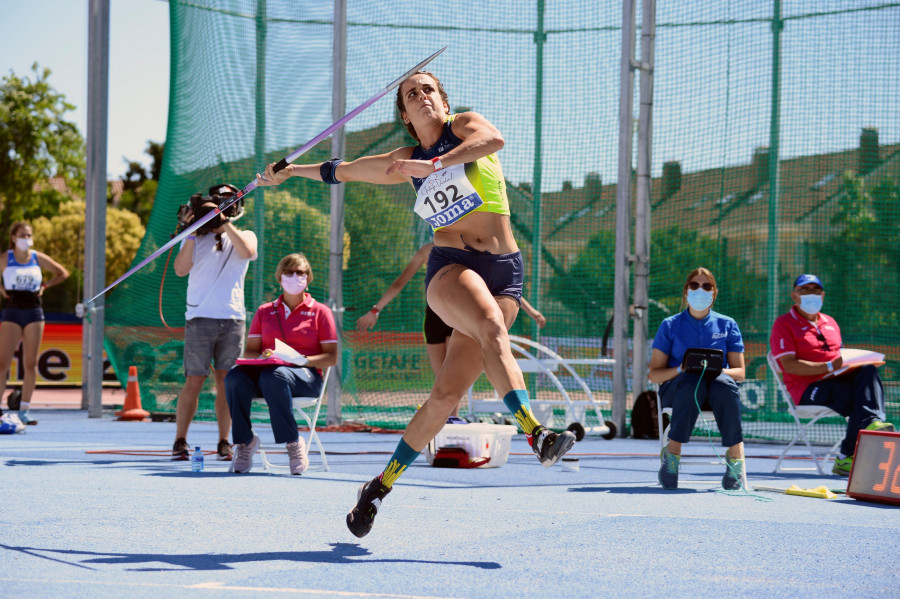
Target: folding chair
x,y
533,357
800,413
709,418
300,406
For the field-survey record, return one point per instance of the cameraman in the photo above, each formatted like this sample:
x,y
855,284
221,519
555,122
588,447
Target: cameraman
x,y
216,260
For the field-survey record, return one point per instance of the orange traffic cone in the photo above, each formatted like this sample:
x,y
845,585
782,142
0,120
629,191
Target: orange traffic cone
x,y
132,409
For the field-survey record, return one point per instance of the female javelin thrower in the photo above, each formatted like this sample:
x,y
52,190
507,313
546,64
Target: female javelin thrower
x,y
474,275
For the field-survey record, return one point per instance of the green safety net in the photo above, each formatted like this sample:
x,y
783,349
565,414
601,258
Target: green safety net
x,y
251,81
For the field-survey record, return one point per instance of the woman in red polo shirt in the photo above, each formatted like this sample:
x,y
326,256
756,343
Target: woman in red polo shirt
x,y
307,326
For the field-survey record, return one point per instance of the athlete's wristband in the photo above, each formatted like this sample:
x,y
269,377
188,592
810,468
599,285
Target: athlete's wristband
x,y
829,366
327,169
436,161
191,237
678,369
375,310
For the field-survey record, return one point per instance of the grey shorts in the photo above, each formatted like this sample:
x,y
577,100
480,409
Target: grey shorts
x,y
219,341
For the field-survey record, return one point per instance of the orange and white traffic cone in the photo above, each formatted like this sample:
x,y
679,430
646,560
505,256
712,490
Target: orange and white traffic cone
x,y
132,409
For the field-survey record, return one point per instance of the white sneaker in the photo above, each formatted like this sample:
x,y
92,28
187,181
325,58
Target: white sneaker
x,y
10,424
243,459
297,453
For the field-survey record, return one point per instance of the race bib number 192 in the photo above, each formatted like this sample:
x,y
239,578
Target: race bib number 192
x,y
446,196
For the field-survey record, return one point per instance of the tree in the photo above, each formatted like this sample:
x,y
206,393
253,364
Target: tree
x,y
155,150
36,144
674,252
62,238
139,186
862,251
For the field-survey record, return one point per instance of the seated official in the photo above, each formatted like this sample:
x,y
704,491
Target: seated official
x,y
699,327
807,344
307,326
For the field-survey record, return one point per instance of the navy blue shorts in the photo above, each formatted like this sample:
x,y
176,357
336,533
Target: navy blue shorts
x,y
502,273
436,330
22,316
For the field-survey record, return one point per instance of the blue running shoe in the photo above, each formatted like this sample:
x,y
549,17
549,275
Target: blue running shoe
x,y
734,474
668,471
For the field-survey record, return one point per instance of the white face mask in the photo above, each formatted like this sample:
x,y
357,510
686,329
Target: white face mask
x,y
294,284
811,303
24,243
699,300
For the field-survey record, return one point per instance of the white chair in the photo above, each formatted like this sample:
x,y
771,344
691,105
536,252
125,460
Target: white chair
x,y
533,357
810,413
301,407
707,418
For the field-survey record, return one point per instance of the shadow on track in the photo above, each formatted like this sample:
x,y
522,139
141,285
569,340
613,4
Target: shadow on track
x,y
340,553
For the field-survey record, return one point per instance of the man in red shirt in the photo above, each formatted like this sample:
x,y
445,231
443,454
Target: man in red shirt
x,y
807,344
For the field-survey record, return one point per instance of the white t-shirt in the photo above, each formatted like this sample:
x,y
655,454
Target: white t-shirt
x,y
216,281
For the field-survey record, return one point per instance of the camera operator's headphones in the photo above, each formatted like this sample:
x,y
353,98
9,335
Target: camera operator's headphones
x,y
217,194
220,193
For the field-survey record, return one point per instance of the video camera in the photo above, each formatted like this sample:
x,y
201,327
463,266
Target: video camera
x,y
195,209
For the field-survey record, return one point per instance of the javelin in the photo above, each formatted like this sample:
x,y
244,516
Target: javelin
x,y
281,165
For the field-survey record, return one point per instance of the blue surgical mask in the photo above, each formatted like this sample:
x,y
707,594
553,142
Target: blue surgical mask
x,y
699,300
811,303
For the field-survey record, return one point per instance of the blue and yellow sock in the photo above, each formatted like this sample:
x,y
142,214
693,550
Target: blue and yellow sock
x,y
517,402
403,456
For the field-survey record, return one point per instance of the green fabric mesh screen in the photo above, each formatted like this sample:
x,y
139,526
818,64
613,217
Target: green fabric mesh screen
x,y
251,81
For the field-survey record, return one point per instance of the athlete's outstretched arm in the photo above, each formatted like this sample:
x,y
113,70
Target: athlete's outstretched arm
x,y
370,169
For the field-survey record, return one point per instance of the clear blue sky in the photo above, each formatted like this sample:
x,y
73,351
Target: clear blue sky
x,y
54,34
839,75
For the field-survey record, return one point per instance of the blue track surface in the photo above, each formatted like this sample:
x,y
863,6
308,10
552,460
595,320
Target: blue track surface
x,y
78,524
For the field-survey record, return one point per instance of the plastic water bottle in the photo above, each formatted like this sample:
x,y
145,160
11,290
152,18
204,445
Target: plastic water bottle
x,y
197,460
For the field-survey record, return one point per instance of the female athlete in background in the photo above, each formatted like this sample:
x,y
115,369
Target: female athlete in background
x,y
23,317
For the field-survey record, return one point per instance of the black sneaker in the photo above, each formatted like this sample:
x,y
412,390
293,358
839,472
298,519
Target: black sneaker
x,y
549,446
223,451
14,400
181,450
368,500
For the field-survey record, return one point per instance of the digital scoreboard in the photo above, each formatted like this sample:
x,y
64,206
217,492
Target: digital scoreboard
x,y
875,475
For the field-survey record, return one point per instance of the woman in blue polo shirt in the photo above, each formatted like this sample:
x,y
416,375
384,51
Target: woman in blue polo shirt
x,y
698,326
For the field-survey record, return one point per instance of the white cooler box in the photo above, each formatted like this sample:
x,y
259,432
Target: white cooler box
x,y
480,440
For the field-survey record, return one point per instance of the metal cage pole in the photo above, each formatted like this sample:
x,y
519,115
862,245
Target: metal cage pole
x,y
540,38
623,218
642,214
95,206
774,171
336,255
259,145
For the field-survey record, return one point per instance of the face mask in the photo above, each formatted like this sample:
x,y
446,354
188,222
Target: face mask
x,y
294,284
699,299
811,303
24,243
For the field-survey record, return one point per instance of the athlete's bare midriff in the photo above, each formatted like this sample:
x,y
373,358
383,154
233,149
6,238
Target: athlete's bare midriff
x,y
481,231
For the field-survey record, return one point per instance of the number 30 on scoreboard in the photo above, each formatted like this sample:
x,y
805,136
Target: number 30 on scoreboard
x,y
876,468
